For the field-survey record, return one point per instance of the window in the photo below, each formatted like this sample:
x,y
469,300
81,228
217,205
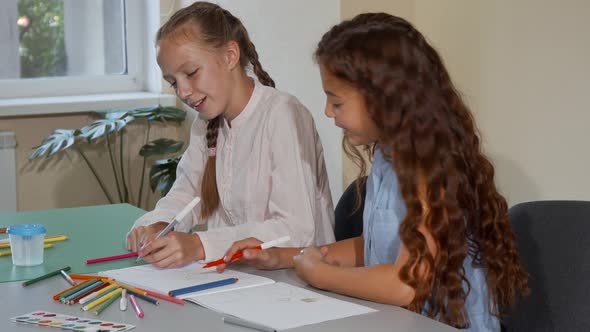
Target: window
x,y
73,47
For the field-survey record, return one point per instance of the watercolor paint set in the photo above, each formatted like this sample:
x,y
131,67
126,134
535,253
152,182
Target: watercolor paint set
x,y
67,322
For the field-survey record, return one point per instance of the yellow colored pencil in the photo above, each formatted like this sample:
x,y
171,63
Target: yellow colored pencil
x,y
137,290
96,294
101,299
8,252
46,240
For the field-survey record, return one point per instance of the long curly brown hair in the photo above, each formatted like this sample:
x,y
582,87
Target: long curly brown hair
x,y
428,133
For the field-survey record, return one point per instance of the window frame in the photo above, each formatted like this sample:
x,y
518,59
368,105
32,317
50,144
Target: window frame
x,y
141,23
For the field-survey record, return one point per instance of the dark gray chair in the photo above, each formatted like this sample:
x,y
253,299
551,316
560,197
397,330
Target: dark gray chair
x,y
553,240
347,223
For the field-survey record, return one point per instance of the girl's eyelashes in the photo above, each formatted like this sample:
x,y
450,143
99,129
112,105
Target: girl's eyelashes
x,y
192,73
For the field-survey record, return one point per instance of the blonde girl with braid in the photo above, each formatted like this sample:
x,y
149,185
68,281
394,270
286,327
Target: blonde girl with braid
x,y
254,157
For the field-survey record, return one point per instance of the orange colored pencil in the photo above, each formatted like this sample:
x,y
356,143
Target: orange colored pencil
x,y
85,277
56,296
2,230
162,296
142,292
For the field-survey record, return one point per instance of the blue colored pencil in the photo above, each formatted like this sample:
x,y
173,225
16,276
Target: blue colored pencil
x,y
196,288
84,290
144,297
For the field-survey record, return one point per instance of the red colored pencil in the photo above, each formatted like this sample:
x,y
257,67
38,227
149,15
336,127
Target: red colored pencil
x,y
162,296
111,258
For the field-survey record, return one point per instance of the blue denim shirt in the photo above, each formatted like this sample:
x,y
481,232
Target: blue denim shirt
x,y
383,213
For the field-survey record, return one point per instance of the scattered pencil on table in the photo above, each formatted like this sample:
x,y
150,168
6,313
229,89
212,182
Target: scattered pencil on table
x,y
51,239
57,296
45,276
174,221
111,258
200,287
102,299
9,252
107,303
162,296
67,277
136,306
239,254
3,230
105,287
76,296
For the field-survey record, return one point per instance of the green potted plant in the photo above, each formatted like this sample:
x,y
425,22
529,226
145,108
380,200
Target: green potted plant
x,y
110,130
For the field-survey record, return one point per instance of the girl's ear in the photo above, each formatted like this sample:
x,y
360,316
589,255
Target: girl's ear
x,y
231,54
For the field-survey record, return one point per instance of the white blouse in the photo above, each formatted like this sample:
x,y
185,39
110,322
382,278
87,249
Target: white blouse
x,y
271,178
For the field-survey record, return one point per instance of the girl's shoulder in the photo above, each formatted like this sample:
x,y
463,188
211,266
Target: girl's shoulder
x,y
280,105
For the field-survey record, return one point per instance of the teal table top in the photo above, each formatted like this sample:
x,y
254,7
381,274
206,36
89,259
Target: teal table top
x,y
93,232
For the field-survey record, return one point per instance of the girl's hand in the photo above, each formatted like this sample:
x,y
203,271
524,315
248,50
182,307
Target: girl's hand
x,y
268,259
176,249
309,263
138,236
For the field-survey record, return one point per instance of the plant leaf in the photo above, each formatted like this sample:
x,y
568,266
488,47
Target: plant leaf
x,y
163,175
99,128
161,114
59,140
160,146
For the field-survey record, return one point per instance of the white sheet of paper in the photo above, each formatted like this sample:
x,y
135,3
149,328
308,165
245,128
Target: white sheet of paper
x,y
280,306
165,280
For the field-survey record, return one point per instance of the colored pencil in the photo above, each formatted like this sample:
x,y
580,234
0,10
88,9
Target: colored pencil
x,y
133,289
45,276
87,277
101,299
196,288
144,297
105,305
76,289
239,254
74,298
163,296
3,230
68,278
56,296
136,306
9,252
111,258
93,294
89,288
50,239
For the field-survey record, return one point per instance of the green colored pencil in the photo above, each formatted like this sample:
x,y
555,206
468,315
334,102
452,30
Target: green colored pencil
x,y
45,276
81,286
106,304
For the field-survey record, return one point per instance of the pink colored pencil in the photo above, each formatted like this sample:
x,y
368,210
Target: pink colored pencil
x,y
111,258
162,296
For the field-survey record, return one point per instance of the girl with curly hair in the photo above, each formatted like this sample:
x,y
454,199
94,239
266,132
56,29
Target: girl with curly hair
x,y
436,236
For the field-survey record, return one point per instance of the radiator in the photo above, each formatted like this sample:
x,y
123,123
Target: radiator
x,y
7,172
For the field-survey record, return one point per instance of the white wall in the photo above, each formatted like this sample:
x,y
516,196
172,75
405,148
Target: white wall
x,y
285,34
524,67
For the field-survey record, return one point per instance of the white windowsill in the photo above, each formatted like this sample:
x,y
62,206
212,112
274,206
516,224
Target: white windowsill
x,y
80,104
